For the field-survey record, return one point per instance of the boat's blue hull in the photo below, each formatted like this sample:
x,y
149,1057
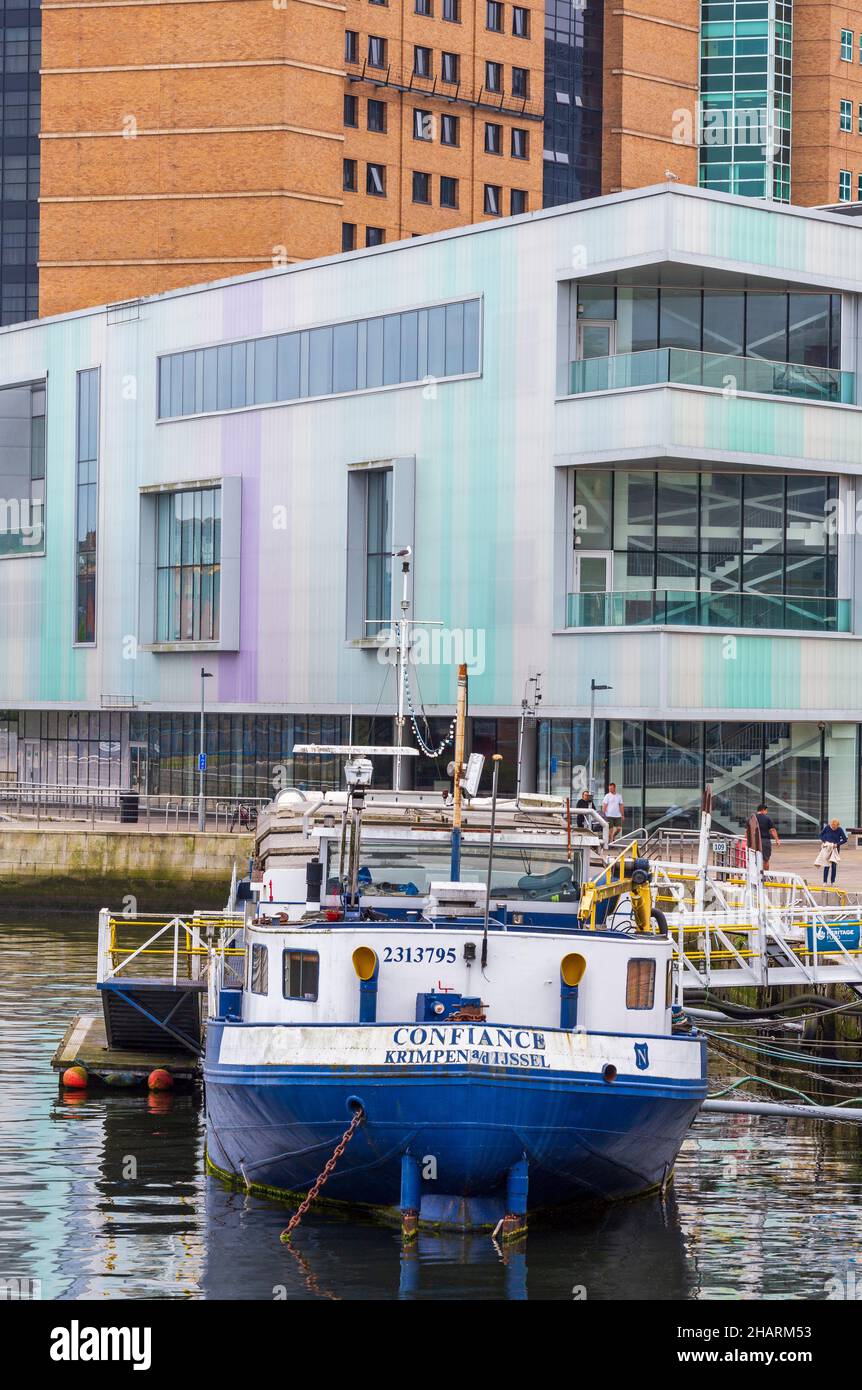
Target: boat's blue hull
x,y
275,1127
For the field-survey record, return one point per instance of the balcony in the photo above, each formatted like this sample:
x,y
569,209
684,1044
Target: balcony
x,y
702,608
683,367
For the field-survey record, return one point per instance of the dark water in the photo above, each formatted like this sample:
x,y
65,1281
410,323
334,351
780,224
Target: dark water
x,y
104,1196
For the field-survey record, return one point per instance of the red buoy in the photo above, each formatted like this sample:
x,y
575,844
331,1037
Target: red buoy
x,y
160,1080
75,1078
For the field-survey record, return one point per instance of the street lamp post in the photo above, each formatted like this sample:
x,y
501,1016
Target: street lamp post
x,y
594,686
202,757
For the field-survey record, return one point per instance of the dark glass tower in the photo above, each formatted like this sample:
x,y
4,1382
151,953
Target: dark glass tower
x,y
20,92
573,101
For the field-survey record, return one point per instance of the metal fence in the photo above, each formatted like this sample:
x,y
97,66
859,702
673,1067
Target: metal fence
x,y
29,802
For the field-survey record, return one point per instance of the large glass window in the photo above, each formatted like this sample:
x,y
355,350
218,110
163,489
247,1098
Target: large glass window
x,y
188,565
87,468
793,326
22,470
378,547
318,361
678,533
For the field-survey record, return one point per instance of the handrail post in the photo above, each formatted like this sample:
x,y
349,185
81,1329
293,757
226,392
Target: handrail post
x,y
103,956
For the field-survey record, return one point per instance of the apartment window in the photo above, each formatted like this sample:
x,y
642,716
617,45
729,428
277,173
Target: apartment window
x,y
860,120
375,180
450,130
421,61
520,144
845,115
259,969
450,67
377,116
494,77
188,565
378,2
351,110
374,236
640,984
492,199
520,82
421,187
493,138
494,16
322,361
517,201
378,546
300,975
423,7
844,185
847,45
22,470
520,22
452,11
859,188
351,46
423,125
348,236
87,470
348,175
376,51
448,192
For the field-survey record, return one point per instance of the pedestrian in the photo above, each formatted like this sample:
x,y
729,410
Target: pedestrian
x,y
584,803
613,811
832,837
768,834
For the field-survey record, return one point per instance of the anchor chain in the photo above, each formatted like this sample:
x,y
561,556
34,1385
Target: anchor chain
x,y
325,1173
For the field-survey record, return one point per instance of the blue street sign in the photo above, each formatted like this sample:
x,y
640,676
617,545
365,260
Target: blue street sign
x,y
202,762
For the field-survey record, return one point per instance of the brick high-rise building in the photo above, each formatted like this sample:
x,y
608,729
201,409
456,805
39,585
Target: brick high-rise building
x,y
188,140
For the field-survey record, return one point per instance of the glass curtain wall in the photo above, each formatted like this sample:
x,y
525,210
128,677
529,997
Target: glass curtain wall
x,y
745,97
778,326
805,771
761,534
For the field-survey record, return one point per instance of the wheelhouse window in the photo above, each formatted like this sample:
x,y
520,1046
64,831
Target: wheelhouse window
x,y
259,969
188,565
640,984
300,975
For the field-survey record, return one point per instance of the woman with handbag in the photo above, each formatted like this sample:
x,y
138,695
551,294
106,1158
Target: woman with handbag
x,y
832,837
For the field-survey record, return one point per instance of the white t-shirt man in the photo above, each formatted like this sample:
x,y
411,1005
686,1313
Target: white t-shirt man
x,y
612,806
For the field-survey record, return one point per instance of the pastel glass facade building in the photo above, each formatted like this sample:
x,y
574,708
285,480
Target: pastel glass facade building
x,y
621,440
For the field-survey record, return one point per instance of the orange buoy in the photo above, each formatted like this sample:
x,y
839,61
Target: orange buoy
x,y
75,1078
160,1080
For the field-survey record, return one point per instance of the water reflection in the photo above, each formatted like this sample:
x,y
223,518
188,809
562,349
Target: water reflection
x,y
104,1195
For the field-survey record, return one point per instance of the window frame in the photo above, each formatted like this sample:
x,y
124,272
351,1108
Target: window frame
x,y
523,33
303,953
634,985
259,950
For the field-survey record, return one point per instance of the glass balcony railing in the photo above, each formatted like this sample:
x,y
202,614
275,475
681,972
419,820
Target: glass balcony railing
x,y
679,366
701,608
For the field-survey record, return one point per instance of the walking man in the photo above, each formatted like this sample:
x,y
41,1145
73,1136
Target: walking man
x,y
832,836
768,835
613,811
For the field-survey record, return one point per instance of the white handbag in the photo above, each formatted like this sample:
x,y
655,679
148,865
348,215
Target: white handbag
x,y
828,855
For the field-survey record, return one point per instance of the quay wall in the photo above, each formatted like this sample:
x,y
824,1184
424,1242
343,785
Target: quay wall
x,y
170,871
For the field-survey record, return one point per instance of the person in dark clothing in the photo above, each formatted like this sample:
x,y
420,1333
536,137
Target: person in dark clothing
x,y
768,834
832,836
585,802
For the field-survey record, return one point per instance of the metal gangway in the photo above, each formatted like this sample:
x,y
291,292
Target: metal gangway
x,y
734,924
